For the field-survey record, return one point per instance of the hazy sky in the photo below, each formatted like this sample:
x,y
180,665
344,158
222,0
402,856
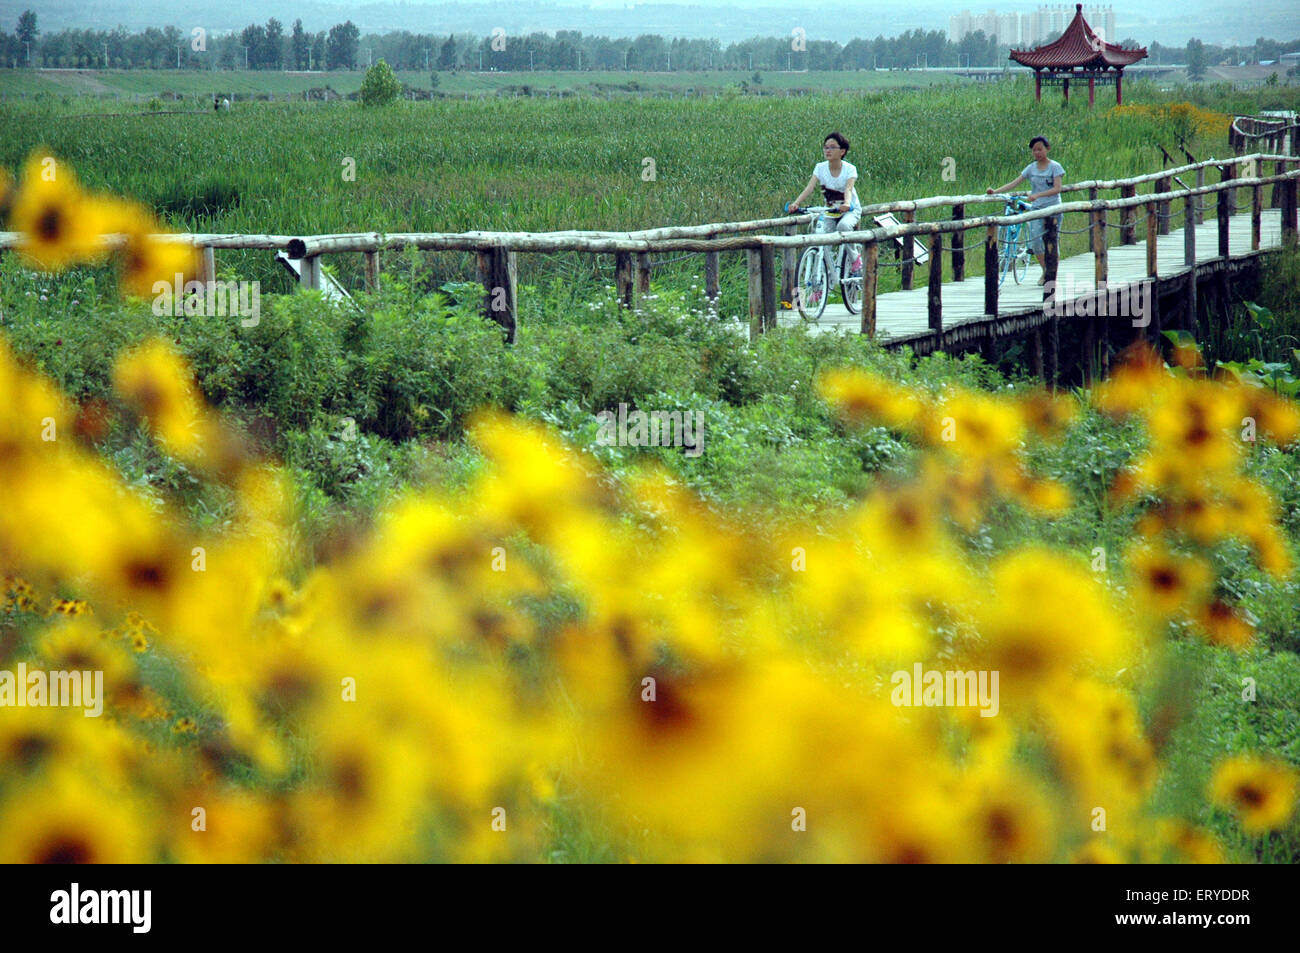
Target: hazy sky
x,y
1170,22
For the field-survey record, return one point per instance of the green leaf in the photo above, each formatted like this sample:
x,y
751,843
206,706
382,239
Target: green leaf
x,y
1180,338
1261,314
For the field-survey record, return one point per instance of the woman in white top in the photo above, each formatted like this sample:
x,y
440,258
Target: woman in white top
x,y
1045,177
837,179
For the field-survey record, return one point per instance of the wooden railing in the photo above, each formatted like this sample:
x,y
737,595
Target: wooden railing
x,y
1273,133
497,251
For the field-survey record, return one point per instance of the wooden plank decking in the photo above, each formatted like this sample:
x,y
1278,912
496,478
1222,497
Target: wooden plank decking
x,y
902,317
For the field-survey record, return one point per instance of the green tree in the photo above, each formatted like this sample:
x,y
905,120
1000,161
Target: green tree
x,y
433,79
27,33
447,55
1195,60
344,39
273,55
380,87
299,44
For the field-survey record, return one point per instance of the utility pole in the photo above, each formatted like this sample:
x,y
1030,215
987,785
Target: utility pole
x,y
480,61
178,57
579,61
788,67
751,60
426,57
530,60
245,57
105,56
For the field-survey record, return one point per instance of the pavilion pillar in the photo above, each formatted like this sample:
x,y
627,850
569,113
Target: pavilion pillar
x,y
1092,91
1038,86
1065,85
1119,88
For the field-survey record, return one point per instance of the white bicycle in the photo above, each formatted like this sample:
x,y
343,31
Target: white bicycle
x,y
817,277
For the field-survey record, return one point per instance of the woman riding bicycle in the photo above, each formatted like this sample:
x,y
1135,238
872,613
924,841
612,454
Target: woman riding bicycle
x,y
1045,176
837,179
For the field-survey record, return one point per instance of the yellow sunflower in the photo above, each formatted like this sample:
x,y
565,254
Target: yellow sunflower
x,y
67,819
60,224
1260,791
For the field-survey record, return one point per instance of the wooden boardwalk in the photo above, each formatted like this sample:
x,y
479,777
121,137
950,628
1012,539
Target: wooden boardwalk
x,y
902,316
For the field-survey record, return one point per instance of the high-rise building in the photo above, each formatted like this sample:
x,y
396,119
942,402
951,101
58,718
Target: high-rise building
x,y
1031,29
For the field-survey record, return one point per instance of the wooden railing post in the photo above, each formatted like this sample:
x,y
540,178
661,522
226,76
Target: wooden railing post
x,y
1101,277
1100,244
1163,185
208,265
309,276
1153,230
762,289
1223,224
1200,208
1256,214
1189,259
1289,214
1153,270
767,274
991,270
935,296
959,246
711,276
1228,171
1128,217
372,271
870,267
643,272
625,278
789,262
908,249
498,272
1092,197
1279,167
1049,293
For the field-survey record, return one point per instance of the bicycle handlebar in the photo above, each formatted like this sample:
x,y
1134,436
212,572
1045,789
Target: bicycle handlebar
x,y
803,209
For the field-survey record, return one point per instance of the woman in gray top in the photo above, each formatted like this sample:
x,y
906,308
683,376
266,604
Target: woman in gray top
x,y
1044,176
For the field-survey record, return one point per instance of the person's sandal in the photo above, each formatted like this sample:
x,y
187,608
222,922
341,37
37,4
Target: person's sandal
x,y
1042,279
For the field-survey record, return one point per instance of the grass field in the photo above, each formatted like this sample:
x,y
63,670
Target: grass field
x,y
144,83
1123,556
537,165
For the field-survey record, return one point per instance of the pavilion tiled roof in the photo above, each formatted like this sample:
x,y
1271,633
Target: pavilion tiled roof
x,y
1078,46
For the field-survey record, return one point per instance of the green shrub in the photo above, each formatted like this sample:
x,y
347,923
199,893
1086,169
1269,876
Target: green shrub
x,y
380,87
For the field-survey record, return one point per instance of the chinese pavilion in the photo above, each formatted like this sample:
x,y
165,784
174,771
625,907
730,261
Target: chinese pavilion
x,y
1079,53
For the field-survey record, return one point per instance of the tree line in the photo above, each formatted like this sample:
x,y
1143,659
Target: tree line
x,y
270,46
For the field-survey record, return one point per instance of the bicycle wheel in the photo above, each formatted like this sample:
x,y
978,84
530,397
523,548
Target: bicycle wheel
x,y
1021,265
851,278
1006,251
810,296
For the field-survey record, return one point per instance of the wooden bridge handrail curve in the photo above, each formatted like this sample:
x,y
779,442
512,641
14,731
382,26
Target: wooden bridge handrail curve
x,y
706,237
